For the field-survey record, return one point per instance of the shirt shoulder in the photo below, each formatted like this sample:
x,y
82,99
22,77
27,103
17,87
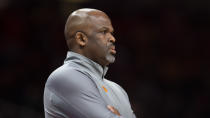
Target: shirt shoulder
x,y
69,77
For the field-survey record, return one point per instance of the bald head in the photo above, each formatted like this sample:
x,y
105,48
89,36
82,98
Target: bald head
x,y
80,21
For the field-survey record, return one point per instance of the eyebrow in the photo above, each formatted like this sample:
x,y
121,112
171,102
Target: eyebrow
x,y
105,28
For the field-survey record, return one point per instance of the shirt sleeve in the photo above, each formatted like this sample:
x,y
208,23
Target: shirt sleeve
x,y
113,84
71,94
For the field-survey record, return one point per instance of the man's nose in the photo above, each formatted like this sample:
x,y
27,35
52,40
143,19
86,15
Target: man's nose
x,y
112,39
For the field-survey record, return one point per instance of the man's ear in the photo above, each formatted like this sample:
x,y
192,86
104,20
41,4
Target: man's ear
x,y
81,39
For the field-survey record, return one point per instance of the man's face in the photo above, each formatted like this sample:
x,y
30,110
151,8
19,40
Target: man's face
x,y
101,41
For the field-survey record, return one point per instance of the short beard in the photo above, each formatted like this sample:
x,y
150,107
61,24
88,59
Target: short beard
x,y
110,58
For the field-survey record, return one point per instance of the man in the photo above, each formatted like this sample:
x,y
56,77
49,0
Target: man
x,y
78,88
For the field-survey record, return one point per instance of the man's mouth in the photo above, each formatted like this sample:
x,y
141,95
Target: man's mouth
x,y
112,50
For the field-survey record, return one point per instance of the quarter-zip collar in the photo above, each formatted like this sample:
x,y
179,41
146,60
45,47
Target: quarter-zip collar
x,y
86,64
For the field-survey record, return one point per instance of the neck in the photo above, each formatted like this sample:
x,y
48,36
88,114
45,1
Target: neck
x,y
88,55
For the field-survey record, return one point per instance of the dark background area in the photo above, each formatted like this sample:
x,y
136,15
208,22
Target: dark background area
x,y
163,59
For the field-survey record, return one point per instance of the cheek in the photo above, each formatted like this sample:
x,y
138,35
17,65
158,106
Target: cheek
x,y
101,47
102,42
104,45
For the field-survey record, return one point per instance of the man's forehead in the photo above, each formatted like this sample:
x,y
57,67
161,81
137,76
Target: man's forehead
x,y
102,22
98,14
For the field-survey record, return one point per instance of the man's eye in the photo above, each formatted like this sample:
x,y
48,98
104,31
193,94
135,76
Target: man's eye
x,y
104,32
112,33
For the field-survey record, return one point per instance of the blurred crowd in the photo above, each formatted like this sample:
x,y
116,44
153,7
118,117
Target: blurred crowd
x,y
163,59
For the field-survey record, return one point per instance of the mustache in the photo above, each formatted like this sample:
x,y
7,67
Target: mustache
x,y
111,46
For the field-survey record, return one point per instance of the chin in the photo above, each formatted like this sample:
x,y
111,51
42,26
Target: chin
x,y
110,58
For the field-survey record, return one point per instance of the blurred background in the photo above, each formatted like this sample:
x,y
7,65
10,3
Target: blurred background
x,y
163,59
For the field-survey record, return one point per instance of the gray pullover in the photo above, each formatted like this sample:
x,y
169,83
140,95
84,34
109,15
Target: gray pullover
x,y
78,89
